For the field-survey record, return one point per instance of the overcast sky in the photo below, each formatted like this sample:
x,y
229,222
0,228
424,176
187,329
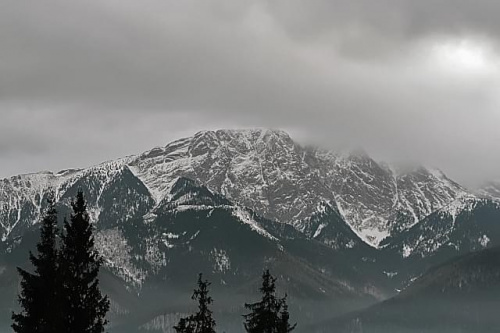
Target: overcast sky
x,y
87,81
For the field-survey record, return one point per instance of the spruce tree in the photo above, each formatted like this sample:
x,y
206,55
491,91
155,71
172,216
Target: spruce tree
x,y
84,306
40,290
284,318
265,315
202,321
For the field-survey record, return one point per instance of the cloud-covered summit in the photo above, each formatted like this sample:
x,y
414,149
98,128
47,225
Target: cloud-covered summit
x,y
90,80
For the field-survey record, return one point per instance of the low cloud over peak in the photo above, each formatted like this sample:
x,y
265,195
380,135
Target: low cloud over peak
x,y
86,81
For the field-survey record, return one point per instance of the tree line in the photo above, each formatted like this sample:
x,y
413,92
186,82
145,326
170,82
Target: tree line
x,y
62,292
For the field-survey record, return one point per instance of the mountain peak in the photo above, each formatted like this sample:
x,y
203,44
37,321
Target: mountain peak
x,y
265,170
250,135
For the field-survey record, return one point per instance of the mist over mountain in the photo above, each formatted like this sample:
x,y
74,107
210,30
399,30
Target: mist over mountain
x,y
340,230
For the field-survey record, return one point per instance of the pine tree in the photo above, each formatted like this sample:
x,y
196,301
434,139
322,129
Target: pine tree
x,y
202,321
39,296
284,318
84,306
264,316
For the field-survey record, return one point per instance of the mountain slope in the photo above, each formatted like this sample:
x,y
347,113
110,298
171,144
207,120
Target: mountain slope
x,y
462,295
468,224
157,256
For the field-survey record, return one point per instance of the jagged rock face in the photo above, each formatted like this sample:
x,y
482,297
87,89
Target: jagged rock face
x,y
268,172
378,201
264,170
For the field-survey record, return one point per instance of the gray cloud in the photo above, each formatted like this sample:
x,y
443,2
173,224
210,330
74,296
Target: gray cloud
x,y
85,81
388,19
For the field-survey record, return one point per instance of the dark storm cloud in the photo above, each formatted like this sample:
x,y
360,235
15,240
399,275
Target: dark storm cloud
x,y
117,77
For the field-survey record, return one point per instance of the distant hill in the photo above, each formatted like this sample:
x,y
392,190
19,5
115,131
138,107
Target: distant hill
x,y
462,295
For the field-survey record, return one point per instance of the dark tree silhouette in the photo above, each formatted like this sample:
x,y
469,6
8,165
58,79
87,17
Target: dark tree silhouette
x,y
270,315
284,318
201,321
264,315
42,287
84,306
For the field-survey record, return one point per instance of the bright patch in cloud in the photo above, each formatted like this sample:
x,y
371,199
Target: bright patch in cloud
x,y
462,57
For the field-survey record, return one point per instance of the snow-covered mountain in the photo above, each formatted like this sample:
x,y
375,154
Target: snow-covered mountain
x,y
264,170
333,226
193,230
269,172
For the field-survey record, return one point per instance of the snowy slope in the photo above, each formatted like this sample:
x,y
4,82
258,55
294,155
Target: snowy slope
x,y
467,224
22,197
